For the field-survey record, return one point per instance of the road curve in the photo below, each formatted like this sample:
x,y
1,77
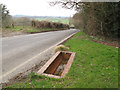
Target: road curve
x,y
18,49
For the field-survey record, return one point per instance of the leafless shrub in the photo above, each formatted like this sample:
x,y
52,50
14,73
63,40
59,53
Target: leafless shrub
x,y
22,21
47,24
7,21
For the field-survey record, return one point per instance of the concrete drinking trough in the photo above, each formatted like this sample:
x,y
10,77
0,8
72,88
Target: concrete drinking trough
x,y
59,65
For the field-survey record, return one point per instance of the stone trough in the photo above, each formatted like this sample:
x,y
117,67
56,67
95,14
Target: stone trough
x,y
59,65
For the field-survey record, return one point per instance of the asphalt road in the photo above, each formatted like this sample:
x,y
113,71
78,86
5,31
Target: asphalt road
x,y
20,49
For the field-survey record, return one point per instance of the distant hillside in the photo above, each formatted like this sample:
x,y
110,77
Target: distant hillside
x,y
40,16
59,19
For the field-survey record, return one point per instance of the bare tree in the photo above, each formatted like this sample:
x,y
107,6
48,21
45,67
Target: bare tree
x,y
69,4
6,19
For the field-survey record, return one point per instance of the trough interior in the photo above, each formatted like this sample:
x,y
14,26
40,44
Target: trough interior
x,y
57,66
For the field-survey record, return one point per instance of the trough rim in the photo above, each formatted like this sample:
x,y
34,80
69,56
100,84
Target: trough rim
x,y
66,69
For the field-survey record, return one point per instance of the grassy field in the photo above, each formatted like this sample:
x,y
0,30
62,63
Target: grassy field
x,y
61,20
16,28
25,29
95,66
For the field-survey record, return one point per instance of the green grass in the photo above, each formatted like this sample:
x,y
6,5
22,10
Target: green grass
x,y
18,28
95,66
41,30
61,20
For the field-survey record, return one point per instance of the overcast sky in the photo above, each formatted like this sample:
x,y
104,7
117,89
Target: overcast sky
x,y
35,8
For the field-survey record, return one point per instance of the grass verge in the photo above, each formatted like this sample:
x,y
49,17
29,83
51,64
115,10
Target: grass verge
x,y
95,66
29,29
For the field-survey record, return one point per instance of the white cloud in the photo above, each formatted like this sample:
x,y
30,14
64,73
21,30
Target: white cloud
x,y
35,7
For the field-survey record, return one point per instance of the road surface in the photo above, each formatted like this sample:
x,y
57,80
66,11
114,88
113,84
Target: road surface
x,y
19,50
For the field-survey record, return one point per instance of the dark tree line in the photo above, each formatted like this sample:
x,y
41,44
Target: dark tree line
x,y
99,19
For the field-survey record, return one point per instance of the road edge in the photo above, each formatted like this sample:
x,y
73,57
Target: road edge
x,y
46,50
